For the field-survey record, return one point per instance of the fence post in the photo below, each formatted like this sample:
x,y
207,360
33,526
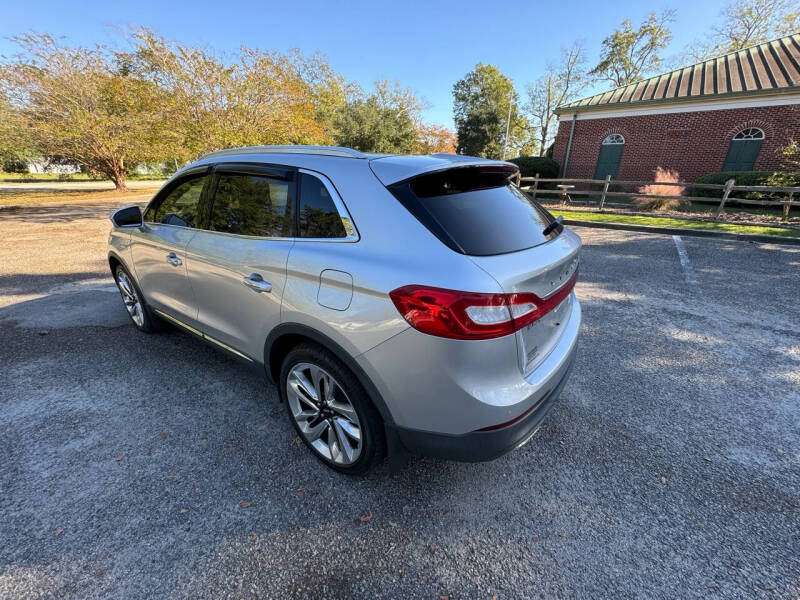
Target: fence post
x,y
786,206
728,185
605,189
535,186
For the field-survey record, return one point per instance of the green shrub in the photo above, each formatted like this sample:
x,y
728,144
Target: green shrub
x,y
745,178
790,163
529,166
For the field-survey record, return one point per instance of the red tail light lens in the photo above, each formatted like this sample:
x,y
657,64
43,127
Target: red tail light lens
x,y
471,315
453,314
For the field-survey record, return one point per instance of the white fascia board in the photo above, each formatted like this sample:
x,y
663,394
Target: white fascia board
x,y
683,107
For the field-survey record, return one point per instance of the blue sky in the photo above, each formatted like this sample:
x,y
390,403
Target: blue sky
x,y
425,45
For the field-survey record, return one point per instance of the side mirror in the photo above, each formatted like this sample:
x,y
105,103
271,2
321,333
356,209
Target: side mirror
x,y
128,216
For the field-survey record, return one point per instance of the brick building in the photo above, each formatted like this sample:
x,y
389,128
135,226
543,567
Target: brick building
x,y
731,113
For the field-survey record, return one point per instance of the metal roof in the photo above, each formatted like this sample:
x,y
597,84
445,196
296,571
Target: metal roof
x,y
771,67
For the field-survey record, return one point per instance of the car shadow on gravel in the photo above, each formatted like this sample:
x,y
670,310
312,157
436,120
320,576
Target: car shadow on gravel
x,y
24,283
64,212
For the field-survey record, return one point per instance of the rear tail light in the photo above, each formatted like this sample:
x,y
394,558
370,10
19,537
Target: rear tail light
x,y
471,315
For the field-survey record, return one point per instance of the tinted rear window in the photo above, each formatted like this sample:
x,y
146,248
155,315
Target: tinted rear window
x,y
317,216
475,212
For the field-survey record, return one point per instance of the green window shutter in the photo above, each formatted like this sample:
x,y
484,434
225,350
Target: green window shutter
x,y
742,155
608,161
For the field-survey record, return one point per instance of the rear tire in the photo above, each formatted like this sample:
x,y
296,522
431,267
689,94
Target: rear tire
x,y
330,410
141,315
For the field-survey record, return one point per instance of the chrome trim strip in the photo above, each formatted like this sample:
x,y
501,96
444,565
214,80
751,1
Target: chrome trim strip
x,y
181,323
202,335
226,347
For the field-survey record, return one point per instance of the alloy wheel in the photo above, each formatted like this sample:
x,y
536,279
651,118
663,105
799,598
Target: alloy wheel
x,y
130,298
324,413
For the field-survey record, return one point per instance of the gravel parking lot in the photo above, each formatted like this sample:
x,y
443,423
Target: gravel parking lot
x,y
136,466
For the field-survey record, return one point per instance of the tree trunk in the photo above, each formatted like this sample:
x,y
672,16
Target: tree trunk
x,y
118,177
543,141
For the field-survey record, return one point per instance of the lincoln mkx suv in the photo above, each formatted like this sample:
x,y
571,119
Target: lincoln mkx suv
x,y
399,303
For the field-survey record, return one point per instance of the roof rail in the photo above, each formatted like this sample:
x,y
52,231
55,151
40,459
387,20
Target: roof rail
x,y
289,149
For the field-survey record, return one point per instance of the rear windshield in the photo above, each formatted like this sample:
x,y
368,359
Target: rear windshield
x,y
475,211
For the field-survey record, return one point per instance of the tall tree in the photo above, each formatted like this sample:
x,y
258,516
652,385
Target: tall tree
x,y
629,54
746,23
12,137
73,102
434,138
385,120
482,103
259,97
329,89
560,83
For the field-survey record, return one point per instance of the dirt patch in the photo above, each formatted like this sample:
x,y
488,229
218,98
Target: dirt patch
x,y
43,247
10,198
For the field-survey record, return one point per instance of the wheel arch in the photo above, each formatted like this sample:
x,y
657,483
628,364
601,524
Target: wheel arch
x,y
287,335
114,260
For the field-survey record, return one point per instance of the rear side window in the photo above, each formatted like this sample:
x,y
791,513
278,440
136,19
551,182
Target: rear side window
x,y
180,205
475,211
317,215
252,205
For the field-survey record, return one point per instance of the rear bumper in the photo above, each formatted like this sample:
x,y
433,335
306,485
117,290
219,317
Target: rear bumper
x,y
486,445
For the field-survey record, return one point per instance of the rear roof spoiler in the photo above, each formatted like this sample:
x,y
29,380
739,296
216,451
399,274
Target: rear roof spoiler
x,y
395,169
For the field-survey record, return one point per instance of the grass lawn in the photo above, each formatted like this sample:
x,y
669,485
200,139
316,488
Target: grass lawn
x,y
34,197
692,208
39,177
675,223
34,177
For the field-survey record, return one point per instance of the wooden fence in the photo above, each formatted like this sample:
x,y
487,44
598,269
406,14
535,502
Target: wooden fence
x,y
603,191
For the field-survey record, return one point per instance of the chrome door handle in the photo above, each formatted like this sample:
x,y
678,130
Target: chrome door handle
x,y
173,259
256,283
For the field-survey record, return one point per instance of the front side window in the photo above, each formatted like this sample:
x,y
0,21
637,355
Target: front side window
x,y
252,205
180,205
317,214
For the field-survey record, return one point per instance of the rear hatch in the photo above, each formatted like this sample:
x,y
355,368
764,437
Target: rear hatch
x,y
474,209
546,271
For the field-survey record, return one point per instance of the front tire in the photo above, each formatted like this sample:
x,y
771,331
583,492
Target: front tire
x,y
330,410
140,314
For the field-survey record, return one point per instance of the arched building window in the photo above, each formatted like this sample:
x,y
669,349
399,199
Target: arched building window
x,y
743,150
613,139
610,156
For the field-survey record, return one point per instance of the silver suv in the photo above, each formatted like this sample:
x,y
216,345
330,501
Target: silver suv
x,y
400,303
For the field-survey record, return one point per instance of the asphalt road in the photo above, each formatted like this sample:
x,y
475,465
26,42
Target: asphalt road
x,y
670,468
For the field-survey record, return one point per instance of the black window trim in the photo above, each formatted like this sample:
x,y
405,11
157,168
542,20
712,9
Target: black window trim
x,y
277,171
